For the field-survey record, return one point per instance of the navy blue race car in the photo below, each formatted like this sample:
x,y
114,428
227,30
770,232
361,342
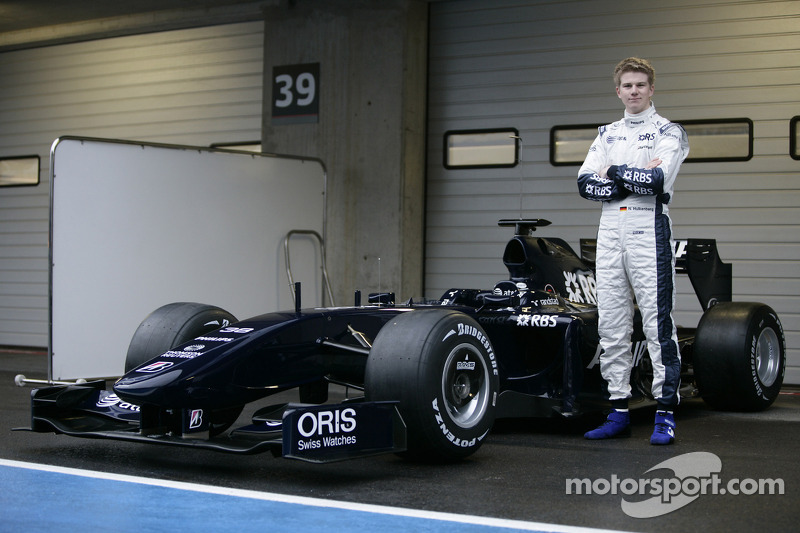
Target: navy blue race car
x,y
435,375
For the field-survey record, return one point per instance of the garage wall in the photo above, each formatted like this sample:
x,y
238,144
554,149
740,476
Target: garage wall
x,y
194,86
533,64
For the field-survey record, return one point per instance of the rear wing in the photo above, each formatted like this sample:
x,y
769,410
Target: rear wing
x,y
711,279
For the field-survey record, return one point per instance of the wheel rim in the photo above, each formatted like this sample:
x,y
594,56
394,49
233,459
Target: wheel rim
x,y
465,386
767,357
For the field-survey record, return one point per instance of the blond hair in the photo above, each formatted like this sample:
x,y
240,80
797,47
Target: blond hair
x,y
634,64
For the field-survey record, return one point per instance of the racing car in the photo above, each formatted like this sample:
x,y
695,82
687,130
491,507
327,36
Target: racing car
x,y
431,376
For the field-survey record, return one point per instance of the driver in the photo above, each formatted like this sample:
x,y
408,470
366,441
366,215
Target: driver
x,y
631,168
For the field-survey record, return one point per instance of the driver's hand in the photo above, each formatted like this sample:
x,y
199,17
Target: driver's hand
x,y
653,164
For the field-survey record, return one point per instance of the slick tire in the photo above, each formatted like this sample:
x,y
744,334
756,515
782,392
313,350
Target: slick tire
x,y
441,367
739,356
171,325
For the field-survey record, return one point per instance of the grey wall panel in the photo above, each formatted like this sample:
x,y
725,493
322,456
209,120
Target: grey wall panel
x,y
532,64
195,86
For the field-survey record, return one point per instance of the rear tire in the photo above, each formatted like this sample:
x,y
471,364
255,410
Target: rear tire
x,y
739,356
440,366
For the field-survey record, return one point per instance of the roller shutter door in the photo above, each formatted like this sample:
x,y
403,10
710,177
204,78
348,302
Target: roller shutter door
x,y
194,86
534,65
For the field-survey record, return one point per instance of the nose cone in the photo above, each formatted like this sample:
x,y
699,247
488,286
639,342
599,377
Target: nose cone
x,y
151,386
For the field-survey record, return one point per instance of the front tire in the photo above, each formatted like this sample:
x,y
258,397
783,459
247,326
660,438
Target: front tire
x,y
171,325
174,324
440,365
739,356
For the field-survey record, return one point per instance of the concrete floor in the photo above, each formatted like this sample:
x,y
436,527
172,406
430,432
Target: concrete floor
x,y
520,473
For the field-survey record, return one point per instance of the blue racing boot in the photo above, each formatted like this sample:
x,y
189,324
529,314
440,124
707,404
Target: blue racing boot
x,y
618,424
664,432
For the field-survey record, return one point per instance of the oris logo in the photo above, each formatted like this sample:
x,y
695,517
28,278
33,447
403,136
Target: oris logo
x,y
321,423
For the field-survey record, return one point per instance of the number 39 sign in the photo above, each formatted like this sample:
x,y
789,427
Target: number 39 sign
x,y
295,94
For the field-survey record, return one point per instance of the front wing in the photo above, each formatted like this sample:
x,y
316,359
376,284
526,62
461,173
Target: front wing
x,y
313,433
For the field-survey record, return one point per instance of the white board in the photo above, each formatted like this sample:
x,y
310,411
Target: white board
x,y
135,226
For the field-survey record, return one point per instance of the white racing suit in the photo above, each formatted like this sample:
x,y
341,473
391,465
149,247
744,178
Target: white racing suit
x,y
635,247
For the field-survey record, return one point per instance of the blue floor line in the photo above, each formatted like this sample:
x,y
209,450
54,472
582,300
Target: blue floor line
x,y
37,498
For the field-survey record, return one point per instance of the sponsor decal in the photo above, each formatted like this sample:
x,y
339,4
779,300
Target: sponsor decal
x,y
493,320
112,400
181,355
581,286
500,292
639,190
465,329
194,348
195,418
219,323
450,297
326,429
324,433
544,302
537,321
663,129
153,368
754,365
454,440
680,248
597,191
465,365
596,358
235,330
638,350
214,339
637,176
194,424
190,352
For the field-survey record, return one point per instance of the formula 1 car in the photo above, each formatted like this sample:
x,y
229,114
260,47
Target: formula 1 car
x,y
435,375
